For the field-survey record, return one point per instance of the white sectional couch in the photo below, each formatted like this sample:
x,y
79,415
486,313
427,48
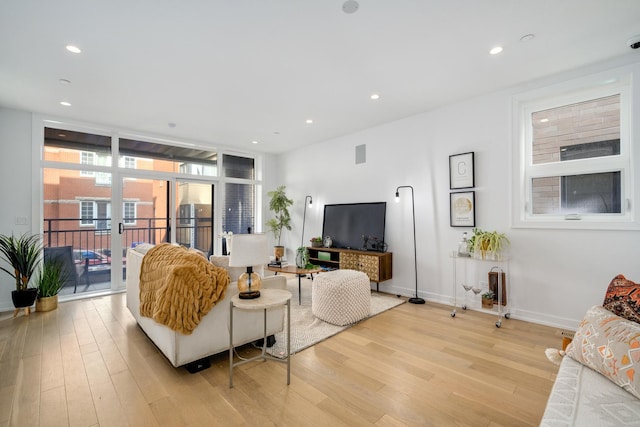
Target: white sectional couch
x,y
211,336
597,383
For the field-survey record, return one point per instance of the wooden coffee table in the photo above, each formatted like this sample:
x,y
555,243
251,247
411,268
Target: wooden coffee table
x,y
292,269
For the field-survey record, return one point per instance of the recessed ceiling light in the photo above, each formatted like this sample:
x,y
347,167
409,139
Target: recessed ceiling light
x,y
544,120
65,103
309,121
496,50
254,142
65,81
527,38
350,6
375,96
62,135
73,49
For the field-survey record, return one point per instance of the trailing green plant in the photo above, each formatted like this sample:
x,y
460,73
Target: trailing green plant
x,y
483,241
488,295
23,254
279,205
51,278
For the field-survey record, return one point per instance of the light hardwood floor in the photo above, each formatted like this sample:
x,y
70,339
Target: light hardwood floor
x,y
88,364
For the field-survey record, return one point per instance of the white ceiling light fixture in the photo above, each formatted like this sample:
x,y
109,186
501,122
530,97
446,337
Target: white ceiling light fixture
x,y
309,121
73,49
65,103
375,96
254,142
544,120
350,6
496,50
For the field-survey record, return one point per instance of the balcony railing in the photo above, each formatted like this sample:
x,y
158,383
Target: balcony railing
x,y
92,244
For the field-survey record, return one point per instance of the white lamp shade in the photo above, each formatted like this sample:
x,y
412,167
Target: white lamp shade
x,y
249,250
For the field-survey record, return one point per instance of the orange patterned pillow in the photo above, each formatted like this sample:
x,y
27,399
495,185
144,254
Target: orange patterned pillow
x,y
610,345
623,298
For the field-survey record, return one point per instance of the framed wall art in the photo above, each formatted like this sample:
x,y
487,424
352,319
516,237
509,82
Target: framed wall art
x,y
461,171
463,209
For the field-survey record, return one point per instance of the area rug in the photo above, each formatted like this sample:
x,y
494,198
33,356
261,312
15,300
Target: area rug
x,y
306,330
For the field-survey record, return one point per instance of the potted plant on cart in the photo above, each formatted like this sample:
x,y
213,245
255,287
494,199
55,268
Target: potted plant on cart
x,y
487,300
487,244
50,280
279,205
23,255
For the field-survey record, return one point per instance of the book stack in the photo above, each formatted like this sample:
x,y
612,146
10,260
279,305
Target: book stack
x,y
278,264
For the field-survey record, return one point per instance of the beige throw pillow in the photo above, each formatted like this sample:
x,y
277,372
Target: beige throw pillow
x,y
610,345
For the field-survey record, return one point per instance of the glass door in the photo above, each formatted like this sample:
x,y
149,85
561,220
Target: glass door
x,y
194,216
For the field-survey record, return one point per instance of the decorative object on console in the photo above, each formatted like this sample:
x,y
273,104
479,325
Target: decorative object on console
x,y
302,257
327,241
249,250
279,204
462,209
461,171
416,299
316,242
304,216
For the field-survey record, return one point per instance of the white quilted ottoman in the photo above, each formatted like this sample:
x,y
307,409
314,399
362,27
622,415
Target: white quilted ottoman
x,y
341,297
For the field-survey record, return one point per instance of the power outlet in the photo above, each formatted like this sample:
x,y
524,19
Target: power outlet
x,y
22,220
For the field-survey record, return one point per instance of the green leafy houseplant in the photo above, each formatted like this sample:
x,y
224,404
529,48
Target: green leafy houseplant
x,y
23,255
482,242
51,278
487,299
279,205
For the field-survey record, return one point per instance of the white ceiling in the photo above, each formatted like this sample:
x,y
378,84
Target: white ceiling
x,y
229,72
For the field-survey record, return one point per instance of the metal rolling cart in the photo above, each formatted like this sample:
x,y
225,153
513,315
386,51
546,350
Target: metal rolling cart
x,y
466,274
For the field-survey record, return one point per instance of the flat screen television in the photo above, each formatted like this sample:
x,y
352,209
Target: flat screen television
x,y
347,223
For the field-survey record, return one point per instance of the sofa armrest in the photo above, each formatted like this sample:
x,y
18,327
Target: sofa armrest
x,y
274,282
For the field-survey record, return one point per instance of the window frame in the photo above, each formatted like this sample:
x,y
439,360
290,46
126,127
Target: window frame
x,y
524,171
133,220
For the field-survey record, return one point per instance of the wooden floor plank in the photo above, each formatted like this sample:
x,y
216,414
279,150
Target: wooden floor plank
x,y
88,364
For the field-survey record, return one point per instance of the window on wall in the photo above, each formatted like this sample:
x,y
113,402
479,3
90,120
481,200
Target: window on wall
x,y
129,213
575,160
87,213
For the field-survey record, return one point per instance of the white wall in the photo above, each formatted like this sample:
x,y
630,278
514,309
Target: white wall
x,y
554,275
15,182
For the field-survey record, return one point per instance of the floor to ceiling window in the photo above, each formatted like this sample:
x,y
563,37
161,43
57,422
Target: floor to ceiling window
x,y
97,208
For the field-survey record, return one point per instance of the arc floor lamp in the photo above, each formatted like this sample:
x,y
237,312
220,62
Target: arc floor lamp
x,y
304,215
416,299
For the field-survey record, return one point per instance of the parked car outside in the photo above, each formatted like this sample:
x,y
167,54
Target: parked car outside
x,y
90,259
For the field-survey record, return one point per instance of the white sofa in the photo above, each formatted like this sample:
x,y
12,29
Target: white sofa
x,y
211,336
593,386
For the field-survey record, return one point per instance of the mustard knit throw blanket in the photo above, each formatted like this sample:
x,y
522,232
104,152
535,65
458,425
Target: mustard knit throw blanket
x,y
178,287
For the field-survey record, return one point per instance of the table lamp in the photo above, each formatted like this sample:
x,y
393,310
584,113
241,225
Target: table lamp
x,y
249,250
